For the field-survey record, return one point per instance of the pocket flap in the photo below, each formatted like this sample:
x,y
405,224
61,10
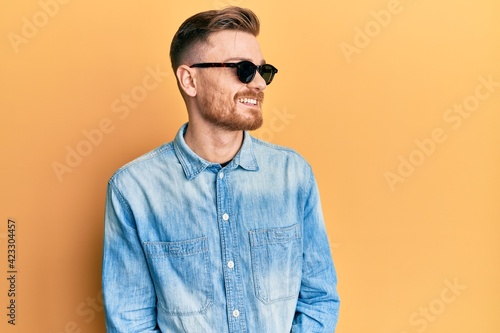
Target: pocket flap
x,y
183,248
274,235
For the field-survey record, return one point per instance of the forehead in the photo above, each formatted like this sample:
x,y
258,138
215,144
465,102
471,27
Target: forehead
x,y
232,44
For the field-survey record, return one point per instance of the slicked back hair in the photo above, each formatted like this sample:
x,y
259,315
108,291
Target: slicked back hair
x,y
199,27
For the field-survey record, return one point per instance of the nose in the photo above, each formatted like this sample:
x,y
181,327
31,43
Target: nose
x,y
258,83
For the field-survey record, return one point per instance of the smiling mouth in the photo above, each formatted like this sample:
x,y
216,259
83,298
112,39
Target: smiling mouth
x,y
248,101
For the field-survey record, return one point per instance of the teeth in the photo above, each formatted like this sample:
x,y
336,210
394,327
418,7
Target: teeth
x,y
248,100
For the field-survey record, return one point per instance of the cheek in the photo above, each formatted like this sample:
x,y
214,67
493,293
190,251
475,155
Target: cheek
x,y
219,89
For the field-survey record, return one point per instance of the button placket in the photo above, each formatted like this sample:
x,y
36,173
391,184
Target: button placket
x,y
229,248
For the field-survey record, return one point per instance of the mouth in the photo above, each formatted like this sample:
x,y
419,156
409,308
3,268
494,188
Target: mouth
x,y
248,101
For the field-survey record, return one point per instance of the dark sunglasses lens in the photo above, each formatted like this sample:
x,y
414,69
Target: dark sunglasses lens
x,y
267,73
246,71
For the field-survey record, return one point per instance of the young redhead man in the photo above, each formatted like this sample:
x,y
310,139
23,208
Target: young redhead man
x,y
217,231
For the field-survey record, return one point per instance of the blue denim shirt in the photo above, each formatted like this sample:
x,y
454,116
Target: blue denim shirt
x,y
190,246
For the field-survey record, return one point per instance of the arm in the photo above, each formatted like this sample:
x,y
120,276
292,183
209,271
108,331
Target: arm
x,y
129,296
318,303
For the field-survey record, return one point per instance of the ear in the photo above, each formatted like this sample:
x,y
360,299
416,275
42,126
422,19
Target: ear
x,y
186,79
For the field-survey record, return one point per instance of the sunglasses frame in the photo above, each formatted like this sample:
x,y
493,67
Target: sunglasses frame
x,y
262,69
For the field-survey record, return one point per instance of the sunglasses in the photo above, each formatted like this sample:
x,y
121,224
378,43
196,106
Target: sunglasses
x,y
245,70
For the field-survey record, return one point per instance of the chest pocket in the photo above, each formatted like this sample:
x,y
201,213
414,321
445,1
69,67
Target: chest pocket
x,y
276,263
180,272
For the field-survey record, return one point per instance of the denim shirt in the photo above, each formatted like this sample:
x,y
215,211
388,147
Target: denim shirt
x,y
190,246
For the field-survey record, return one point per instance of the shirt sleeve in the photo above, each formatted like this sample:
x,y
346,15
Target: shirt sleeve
x,y
318,302
129,295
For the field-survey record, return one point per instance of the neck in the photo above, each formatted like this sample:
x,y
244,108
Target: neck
x,y
213,144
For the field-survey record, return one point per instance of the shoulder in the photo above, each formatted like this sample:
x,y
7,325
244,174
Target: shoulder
x,y
280,159
265,147
146,163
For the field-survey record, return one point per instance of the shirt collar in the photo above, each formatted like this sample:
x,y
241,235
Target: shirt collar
x,y
194,164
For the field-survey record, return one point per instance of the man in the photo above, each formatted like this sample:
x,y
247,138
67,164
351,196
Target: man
x,y
218,231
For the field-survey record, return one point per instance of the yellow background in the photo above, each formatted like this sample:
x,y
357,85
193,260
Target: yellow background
x,y
398,243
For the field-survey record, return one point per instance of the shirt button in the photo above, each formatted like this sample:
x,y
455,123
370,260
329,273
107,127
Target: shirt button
x,y
225,217
236,313
221,175
230,264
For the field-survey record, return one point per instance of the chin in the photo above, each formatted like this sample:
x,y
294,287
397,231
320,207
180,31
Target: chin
x,y
254,126
253,123
243,124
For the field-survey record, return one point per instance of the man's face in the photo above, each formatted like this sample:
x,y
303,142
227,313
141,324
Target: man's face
x,y
222,99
